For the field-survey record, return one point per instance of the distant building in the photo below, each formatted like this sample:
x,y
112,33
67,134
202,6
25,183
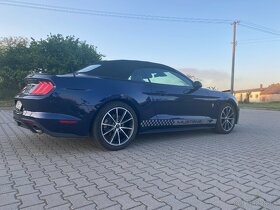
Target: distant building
x,y
261,94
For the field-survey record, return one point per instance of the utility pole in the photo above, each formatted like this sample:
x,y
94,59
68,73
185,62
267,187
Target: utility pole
x,y
233,56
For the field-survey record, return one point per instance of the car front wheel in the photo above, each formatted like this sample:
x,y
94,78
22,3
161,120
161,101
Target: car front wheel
x,y
226,119
115,126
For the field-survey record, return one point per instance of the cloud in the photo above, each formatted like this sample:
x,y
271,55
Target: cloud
x,y
209,78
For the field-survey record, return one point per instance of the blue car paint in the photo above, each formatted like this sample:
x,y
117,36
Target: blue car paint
x,y
80,97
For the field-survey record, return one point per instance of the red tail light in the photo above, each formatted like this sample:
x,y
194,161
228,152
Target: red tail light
x,y
42,88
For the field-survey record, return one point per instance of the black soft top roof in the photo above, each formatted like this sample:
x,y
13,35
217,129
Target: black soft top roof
x,y
122,69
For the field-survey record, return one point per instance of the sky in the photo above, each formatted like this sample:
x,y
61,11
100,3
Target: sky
x,y
203,50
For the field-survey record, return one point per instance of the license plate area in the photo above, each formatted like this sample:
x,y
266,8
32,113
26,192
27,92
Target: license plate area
x,y
18,106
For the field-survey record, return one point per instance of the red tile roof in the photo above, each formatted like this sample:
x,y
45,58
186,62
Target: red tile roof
x,y
272,89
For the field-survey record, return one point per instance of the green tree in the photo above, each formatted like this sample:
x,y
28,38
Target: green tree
x,y
57,54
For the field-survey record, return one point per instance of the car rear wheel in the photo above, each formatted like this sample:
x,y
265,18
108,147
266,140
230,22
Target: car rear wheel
x,y
115,126
226,119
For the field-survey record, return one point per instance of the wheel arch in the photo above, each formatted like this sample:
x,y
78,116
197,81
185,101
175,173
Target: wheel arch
x,y
235,106
127,100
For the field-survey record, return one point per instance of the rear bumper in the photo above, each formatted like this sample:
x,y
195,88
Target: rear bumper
x,y
53,124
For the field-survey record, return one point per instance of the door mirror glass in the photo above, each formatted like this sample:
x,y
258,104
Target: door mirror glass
x,y
197,85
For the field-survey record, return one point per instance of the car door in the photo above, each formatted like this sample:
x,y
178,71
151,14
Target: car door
x,y
175,100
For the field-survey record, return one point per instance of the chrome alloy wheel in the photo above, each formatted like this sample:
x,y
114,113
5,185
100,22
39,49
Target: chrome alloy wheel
x,y
117,126
227,118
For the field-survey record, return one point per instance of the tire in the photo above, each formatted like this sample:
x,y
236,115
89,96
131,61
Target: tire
x,y
226,119
115,126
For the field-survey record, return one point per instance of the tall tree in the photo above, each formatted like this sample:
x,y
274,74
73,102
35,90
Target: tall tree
x,y
55,55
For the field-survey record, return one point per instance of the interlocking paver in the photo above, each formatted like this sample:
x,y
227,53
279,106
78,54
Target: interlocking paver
x,y
182,177
277,202
42,181
139,183
141,207
134,191
69,190
62,181
110,175
19,173
5,180
172,201
150,202
217,192
78,201
30,200
221,186
259,187
47,189
175,170
263,195
263,203
10,206
243,204
193,201
219,203
126,202
53,200
199,184
128,176
61,207
201,195
101,182
164,177
179,194
113,191
81,182
219,178
91,207
275,192
102,201
163,185
8,198
240,194
155,191
26,189
6,188
91,190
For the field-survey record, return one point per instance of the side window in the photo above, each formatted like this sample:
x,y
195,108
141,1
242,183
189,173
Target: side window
x,y
166,77
137,75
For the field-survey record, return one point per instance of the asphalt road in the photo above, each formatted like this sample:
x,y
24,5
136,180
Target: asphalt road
x,y
187,170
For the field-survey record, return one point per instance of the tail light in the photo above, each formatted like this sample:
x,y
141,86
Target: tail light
x,y
42,88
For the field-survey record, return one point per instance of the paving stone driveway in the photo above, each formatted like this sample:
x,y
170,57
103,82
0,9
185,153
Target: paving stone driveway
x,y
188,170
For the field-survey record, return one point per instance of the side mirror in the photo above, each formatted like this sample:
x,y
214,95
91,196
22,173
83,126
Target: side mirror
x,y
197,85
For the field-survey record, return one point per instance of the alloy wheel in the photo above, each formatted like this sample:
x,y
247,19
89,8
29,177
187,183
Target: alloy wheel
x,y
117,126
227,118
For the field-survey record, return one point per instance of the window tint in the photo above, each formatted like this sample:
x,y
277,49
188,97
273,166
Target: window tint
x,y
110,70
138,75
165,77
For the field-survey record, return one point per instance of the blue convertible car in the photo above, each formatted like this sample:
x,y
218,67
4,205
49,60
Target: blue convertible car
x,y
113,101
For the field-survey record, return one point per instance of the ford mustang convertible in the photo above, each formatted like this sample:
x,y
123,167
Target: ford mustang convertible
x,y
113,101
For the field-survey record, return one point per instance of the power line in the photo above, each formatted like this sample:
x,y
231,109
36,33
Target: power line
x,y
112,14
253,41
260,29
245,24
261,26
72,10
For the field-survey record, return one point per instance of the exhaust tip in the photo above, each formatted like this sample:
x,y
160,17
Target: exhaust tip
x,y
37,130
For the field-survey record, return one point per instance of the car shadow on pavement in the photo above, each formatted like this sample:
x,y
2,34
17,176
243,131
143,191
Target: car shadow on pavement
x,y
80,145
